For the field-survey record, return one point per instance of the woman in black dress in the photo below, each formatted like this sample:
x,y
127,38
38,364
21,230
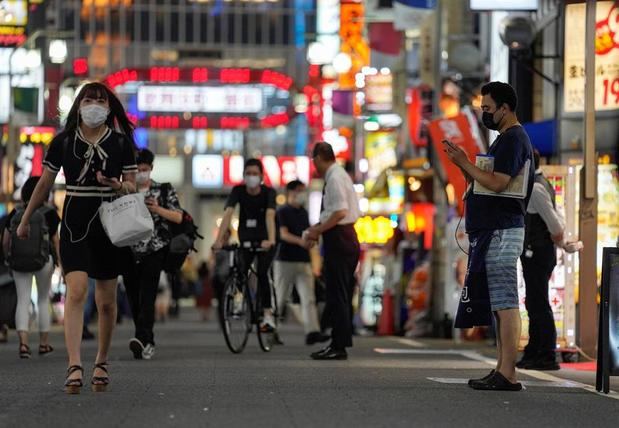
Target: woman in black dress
x,y
96,150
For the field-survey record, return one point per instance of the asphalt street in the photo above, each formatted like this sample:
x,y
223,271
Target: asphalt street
x,y
194,381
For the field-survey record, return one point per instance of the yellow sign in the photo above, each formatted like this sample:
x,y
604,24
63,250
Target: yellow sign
x,y
36,135
374,230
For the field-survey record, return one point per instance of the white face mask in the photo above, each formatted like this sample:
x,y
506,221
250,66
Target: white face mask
x,y
252,181
142,177
301,198
94,115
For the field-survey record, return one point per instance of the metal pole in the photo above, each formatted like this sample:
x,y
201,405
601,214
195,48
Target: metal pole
x,y
587,303
439,250
438,58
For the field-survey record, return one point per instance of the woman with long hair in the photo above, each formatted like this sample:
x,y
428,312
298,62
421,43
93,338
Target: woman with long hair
x,y
96,150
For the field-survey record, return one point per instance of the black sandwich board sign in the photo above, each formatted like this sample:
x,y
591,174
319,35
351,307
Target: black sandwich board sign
x,y
608,333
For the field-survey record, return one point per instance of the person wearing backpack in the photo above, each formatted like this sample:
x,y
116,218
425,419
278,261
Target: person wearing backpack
x,y
141,277
28,258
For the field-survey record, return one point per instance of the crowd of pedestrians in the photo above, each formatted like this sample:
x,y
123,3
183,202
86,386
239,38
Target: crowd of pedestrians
x,y
97,152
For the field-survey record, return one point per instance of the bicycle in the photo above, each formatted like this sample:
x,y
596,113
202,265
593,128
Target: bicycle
x,y
242,308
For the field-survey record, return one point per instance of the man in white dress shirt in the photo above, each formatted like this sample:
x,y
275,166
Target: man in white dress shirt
x,y
340,211
544,228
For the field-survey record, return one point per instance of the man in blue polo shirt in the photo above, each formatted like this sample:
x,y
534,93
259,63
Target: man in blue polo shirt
x,y
496,222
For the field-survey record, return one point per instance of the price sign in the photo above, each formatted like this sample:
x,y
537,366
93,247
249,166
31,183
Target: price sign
x,y
606,57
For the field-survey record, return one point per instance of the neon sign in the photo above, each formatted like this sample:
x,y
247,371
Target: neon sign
x,y
201,97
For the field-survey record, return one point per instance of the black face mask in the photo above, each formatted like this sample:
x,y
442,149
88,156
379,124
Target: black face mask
x,y
487,119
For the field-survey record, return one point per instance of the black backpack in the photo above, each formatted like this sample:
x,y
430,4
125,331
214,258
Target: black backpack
x,y
32,253
182,237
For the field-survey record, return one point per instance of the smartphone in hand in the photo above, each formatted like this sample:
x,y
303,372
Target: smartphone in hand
x,y
449,143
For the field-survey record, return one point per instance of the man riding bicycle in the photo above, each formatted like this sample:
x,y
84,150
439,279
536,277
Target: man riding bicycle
x,y
256,227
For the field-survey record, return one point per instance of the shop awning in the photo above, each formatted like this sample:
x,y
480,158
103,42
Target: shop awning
x,y
542,135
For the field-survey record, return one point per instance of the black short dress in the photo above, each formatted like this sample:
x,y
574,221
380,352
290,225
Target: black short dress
x,y
84,245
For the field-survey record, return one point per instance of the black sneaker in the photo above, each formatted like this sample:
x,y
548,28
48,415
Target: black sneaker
x,y
496,382
330,354
482,379
137,348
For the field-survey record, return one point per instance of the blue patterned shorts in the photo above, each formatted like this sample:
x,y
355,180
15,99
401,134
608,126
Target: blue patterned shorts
x,y
501,268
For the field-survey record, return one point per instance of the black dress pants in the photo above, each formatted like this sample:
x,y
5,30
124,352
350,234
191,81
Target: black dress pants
x,y
141,282
341,255
264,261
537,271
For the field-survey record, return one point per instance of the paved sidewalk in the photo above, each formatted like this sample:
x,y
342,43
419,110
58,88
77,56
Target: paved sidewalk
x,y
194,381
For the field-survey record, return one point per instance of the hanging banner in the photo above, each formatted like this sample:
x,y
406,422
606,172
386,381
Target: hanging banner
x,y
458,131
606,57
411,14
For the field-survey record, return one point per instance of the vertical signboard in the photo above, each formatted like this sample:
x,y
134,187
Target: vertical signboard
x,y
608,332
29,163
13,21
353,43
606,57
327,27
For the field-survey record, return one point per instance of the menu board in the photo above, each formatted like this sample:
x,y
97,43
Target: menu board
x,y
613,311
608,333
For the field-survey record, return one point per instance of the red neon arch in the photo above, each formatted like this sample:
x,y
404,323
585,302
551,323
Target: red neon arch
x,y
198,75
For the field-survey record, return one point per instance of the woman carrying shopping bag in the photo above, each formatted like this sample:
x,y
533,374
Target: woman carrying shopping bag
x,y
96,151
28,258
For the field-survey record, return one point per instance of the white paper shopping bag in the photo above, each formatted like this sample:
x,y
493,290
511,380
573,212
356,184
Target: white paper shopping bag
x,y
126,220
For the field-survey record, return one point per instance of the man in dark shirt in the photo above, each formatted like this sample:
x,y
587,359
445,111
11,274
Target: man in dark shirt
x,y
292,265
142,272
498,221
256,227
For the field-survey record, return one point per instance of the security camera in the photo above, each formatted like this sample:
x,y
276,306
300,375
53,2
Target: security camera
x,y
517,32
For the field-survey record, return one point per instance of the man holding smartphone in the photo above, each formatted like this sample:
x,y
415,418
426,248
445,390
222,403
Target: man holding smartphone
x,y
496,223
141,275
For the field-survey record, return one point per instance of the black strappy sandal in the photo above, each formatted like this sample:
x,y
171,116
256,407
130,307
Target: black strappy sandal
x,y
45,349
24,351
73,386
100,383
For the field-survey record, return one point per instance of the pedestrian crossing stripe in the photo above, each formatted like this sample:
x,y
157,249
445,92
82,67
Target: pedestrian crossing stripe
x,y
543,376
534,383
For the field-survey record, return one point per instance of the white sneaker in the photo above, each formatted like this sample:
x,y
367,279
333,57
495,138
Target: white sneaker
x,y
268,323
148,352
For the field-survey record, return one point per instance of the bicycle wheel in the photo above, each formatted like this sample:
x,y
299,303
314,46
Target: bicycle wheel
x,y
267,339
236,315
